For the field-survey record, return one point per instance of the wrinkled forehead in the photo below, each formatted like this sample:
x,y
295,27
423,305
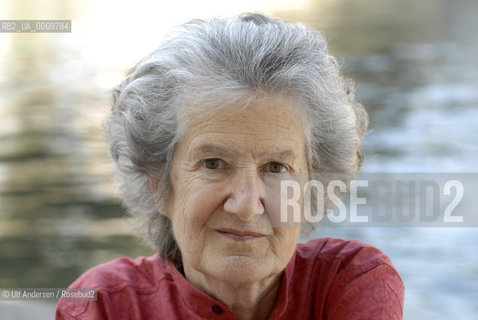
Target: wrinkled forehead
x,y
253,108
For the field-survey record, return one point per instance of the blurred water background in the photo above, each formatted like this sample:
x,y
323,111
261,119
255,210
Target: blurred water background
x,y
416,67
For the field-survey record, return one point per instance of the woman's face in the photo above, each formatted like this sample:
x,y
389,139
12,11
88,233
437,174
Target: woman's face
x,y
217,204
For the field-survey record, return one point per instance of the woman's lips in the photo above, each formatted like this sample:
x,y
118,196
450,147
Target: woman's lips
x,y
239,235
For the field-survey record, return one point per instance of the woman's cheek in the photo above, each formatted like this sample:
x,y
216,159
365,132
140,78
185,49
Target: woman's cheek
x,y
202,200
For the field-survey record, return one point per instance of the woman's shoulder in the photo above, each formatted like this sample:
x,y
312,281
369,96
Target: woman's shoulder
x,y
140,273
344,261
347,253
348,277
116,282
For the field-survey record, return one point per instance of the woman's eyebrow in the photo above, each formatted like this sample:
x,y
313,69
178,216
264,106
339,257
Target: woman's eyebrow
x,y
286,154
208,149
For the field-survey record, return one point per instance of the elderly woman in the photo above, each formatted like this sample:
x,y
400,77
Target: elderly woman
x,y
195,129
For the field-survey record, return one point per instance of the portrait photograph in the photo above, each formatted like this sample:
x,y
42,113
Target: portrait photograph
x,y
250,160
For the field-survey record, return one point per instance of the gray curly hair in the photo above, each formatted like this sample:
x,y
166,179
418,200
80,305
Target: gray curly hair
x,y
219,62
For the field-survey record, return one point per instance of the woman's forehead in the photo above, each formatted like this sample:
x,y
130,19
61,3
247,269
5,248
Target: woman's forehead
x,y
270,111
261,118
239,102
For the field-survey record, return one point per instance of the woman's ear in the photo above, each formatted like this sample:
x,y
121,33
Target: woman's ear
x,y
153,185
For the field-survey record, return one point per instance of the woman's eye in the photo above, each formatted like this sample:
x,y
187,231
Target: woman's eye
x,y
212,163
276,167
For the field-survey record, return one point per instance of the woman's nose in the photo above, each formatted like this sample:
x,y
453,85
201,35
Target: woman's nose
x,y
246,196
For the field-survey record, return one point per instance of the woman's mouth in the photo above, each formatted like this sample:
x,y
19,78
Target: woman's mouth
x,y
239,235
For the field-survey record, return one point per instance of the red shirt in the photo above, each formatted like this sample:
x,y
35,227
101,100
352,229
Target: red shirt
x,y
325,279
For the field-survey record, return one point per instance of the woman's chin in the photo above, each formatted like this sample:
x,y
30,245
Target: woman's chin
x,y
239,269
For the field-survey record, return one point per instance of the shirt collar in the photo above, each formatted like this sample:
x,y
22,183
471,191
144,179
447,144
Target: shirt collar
x,y
194,299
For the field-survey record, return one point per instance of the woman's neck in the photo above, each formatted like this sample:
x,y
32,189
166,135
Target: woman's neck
x,y
248,301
